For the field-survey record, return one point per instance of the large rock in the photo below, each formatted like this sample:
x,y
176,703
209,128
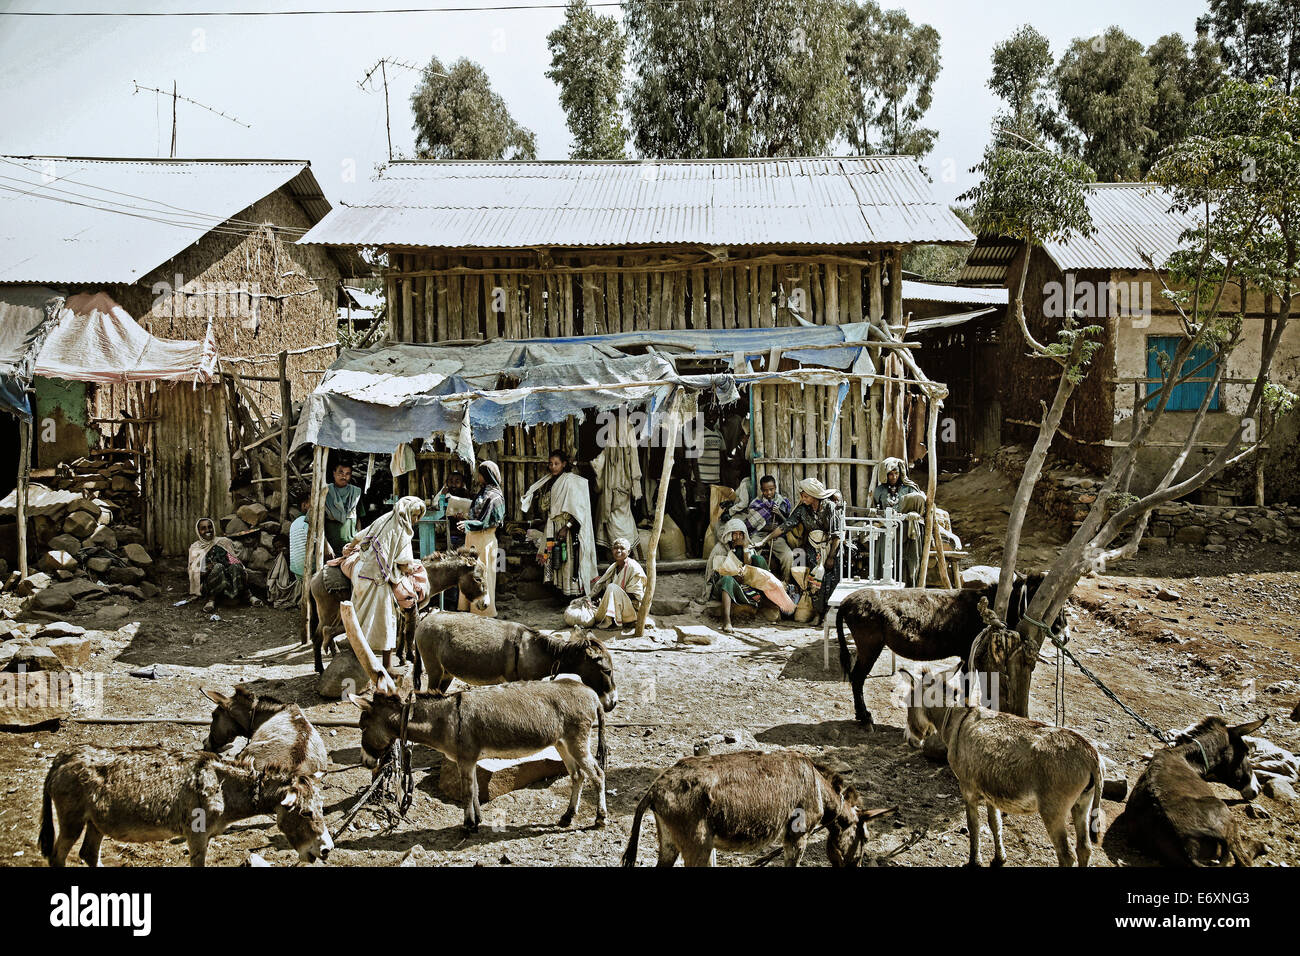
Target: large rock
x,y
260,560
110,615
103,537
64,542
99,565
33,583
124,575
80,524
149,589
343,675
252,514
128,534
72,652
137,555
61,629
55,599
695,634
235,526
34,657
56,561
82,590
497,776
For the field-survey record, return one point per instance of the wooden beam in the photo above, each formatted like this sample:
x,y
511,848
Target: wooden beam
x,y
673,406
24,476
285,414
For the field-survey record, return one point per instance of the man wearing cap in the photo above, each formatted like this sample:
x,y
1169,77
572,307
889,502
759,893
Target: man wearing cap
x,y
821,515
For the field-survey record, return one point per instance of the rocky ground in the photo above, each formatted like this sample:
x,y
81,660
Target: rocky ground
x,y
1177,640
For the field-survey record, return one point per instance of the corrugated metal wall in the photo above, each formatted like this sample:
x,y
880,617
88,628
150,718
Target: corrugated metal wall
x,y
191,474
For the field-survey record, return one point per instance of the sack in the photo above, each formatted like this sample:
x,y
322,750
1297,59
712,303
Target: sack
x,y
337,583
769,584
730,565
580,613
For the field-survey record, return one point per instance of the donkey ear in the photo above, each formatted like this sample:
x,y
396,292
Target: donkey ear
x,y
290,799
850,796
218,698
361,703
872,814
1245,730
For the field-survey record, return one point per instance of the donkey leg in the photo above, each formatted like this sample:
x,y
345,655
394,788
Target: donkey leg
x,y
1082,845
995,827
868,653
590,770
469,787
198,844
69,830
699,851
89,852
1055,819
973,828
575,781
668,852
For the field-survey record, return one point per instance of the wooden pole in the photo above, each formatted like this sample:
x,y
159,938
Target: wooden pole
x,y
24,474
314,560
673,406
286,413
365,656
932,481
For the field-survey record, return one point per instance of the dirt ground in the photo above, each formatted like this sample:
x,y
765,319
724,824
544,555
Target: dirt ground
x,y
1226,642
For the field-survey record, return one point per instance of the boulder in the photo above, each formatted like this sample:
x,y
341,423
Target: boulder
x,y
1280,790
56,561
110,615
80,524
123,483
64,542
252,514
128,534
498,776
33,583
82,590
99,565
695,634
137,555
235,525
149,589
129,590
72,652
260,560
124,575
343,675
34,657
103,537
61,629
55,599
89,505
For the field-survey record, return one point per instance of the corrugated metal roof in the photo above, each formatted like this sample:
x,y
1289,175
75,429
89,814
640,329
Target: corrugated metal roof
x,y
73,220
961,294
1131,221
824,202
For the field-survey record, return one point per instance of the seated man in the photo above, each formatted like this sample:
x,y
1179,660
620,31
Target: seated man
x,y
620,589
820,512
765,512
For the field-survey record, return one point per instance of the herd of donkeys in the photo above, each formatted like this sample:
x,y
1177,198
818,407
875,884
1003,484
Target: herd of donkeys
x,y
529,691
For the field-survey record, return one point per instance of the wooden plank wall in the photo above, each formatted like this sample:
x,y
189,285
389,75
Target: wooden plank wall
x,y
442,298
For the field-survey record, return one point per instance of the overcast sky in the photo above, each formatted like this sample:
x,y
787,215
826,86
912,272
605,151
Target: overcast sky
x,y
68,82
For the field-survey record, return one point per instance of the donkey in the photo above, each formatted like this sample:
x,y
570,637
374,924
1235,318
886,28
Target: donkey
x,y
277,733
457,568
1014,764
920,624
485,650
508,720
1175,816
746,801
147,794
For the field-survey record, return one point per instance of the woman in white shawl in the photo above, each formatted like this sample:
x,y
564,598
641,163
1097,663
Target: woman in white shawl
x,y
621,588
569,553
224,579
381,564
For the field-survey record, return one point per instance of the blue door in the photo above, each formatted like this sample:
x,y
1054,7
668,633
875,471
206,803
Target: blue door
x,y
1185,397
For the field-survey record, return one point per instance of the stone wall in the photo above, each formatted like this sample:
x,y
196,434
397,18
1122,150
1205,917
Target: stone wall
x,y
1066,492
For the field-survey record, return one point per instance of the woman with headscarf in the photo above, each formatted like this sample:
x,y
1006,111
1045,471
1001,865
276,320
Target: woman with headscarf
x,y
897,493
821,516
486,514
726,565
889,493
621,588
215,570
385,575
567,546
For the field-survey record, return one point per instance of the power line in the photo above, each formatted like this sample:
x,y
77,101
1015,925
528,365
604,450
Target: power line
x,y
311,13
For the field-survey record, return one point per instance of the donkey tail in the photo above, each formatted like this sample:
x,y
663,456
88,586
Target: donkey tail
x,y
602,751
846,659
1095,815
46,840
629,855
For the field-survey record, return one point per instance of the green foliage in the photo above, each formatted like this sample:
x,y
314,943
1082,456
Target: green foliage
x,y
1021,66
1105,87
1182,76
1076,371
587,54
1258,38
734,78
457,115
892,64
1029,193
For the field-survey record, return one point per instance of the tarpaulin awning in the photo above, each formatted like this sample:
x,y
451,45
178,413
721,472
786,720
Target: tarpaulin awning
x,y
372,401
86,338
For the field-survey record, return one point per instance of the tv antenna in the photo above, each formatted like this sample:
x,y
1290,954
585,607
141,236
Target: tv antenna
x,y
382,66
175,97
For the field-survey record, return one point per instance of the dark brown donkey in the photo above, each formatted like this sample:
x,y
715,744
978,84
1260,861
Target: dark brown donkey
x,y
1175,816
484,650
446,569
920,624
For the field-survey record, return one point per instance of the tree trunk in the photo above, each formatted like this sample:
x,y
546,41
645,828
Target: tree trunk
x,y
661,502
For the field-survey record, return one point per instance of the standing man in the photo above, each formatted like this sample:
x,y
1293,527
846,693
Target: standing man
x,y
765,513
342,508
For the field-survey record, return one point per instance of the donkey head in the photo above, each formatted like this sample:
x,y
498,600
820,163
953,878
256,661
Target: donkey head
x,y
587,656
302,820
236,716
381,721
1222,753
